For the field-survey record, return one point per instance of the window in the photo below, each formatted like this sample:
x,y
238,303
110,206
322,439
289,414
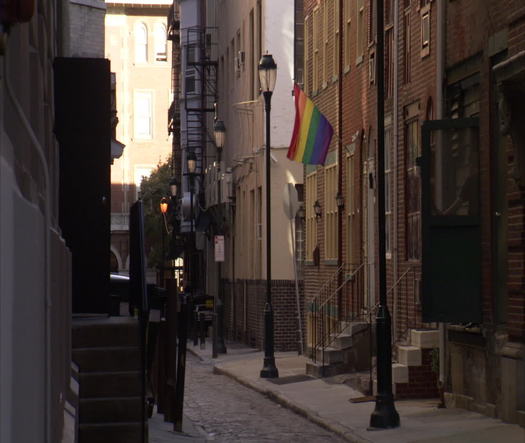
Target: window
x,y
389,12
189,81
311,222
337,43
253,70
388,191
425,30
330,212
161,54
407,48
371,22
350,206
307,53
141,43
389,62
413,183
316,50
360,43
347,33
324,55
143,115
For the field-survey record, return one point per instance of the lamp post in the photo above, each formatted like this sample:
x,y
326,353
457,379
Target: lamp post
x,y
218,306
186,306
267,77
163,209
385,414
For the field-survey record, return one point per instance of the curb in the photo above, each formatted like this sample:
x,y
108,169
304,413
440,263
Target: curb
x,y
312,416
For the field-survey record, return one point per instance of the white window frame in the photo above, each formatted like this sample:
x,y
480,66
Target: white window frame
x,y
330,215
161,43
361,31
425,30
141,43
311,219
140,113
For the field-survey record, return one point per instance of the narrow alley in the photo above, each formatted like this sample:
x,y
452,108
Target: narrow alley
x,y
220,409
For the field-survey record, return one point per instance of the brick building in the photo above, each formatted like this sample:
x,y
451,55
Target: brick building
x,y
484,73
453,198
137,46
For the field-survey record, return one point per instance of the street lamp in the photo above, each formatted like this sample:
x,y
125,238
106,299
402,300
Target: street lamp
x,y
267,77
163,209
385,414
174,185
186,301
317,209
340,201
219,131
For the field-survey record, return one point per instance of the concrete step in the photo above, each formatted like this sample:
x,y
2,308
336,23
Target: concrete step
x,y
110,384
116,359
342,341
328,370
424,338
102,332
399,373
110,433
409,355
110,410
353,327
331,356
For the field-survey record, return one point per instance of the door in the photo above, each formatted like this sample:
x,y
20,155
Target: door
x,y
451,234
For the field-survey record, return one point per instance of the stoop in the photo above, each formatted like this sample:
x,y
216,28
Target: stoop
x,y
107,354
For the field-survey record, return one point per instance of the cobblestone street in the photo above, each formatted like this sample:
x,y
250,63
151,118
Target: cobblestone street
x,y
221,409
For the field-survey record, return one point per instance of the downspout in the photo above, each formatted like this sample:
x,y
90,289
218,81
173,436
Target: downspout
x,y
393,241
340,151
440,69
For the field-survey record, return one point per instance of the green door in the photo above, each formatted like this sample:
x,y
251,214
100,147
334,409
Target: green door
x,y
451,234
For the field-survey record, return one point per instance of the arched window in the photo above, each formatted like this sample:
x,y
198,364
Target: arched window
x,y
161,54
141,43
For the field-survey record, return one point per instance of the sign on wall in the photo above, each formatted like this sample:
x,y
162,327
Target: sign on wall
x,y
219,248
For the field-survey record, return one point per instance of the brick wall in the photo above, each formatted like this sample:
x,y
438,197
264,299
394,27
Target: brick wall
x,y
87,28
422,380
244,302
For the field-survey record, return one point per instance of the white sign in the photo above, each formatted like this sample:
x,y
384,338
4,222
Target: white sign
x,y
219,248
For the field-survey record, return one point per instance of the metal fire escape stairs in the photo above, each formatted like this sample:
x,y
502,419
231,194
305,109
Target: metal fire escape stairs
x,y
200,95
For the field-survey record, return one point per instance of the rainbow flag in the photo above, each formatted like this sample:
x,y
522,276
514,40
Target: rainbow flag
x,y
312,132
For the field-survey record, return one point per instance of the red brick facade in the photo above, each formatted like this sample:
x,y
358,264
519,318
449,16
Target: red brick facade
x,y
244,312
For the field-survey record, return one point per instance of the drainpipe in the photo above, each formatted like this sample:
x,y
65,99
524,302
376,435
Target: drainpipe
x,y
340,211
440,68
393,241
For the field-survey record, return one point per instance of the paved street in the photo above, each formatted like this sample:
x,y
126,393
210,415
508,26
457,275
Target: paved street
x,y
221,409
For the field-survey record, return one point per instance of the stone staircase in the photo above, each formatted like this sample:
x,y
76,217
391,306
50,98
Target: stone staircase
x,y
107,354
412,374
348,351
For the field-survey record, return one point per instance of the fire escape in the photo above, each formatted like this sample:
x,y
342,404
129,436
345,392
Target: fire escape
x,y
174,110
200,92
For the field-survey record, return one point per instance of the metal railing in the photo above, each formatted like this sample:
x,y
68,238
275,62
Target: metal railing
x,y
340,301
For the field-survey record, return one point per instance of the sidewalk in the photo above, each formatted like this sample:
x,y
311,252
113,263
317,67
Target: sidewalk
x,y
328,405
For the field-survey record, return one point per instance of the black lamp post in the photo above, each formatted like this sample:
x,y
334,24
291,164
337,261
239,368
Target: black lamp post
x,y
267,77
385,414
186,305
220,347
